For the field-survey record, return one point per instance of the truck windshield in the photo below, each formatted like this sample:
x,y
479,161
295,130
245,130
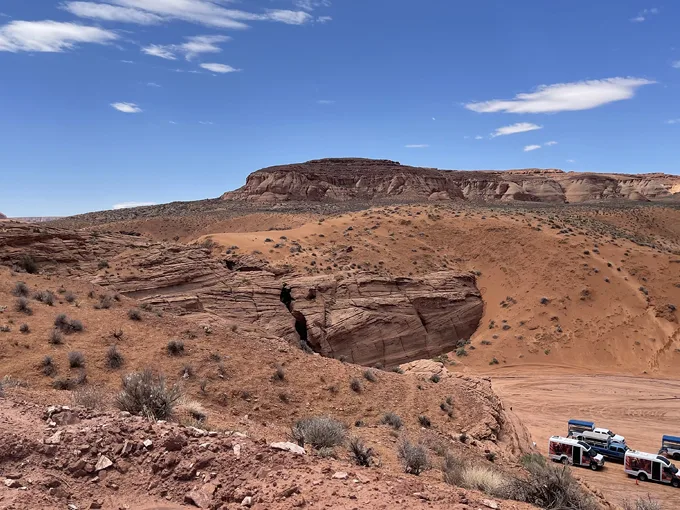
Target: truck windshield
x,y
664,460
586,447
671,444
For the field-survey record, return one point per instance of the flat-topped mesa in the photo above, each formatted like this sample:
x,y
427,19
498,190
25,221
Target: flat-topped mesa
x,y
344,179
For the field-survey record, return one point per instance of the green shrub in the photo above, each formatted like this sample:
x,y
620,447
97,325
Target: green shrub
x,y
146,394
393,420
320,432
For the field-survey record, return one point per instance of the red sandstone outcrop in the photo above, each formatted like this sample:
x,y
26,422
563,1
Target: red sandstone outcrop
x,y
346,179
2,216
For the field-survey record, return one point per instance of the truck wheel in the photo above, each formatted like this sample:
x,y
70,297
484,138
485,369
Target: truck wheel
x,y
593,466
565,461
642,477
675,482
676,456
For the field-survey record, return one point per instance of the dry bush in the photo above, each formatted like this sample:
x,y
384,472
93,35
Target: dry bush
x,y
175,348
25,328
393,420
28,264
146,394
91,397
66,325
191,412
134,315
47,366
105,302
642,504
21,290
370,376
76,359
114,359
55,338
355,384
22,305
361,454
69,296
279,374
412,456
319,431
45,297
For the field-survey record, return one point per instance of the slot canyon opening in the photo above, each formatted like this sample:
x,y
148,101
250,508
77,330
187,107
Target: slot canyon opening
x,y
301,326
300,320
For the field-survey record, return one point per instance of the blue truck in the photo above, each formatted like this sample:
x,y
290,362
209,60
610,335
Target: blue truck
x,y
612,451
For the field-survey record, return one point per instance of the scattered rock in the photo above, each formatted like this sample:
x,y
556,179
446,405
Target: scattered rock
x,y
103,463
289,447
490,504
340,475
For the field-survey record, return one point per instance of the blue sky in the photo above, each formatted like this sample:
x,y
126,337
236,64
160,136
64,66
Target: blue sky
x,y
120,101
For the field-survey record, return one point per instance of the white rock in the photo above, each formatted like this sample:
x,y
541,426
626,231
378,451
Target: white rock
x,y
247,501
237,450
148,443
103,463
490,504
289,447
54,438
340,475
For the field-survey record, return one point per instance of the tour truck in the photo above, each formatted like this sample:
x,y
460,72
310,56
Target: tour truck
x,y
649,466
611,451
587,431
577,453
670,447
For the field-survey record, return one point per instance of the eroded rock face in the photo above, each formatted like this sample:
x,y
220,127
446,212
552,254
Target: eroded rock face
x,y
365,318
2,216
365,179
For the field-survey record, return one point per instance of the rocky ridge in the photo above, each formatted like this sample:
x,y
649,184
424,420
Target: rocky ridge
x,y
346,179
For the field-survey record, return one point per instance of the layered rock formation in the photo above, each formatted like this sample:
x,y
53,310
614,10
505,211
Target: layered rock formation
x,y
2,216
364,179
364,318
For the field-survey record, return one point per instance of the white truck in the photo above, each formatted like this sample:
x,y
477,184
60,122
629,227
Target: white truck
x,y
577,453
670,447
587,431
649,466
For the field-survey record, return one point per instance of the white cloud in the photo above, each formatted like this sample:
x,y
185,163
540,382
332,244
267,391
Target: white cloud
x,y
560,97
643,15
324,19
326,101
172,122
111,13
211,13
193,47
127,61
310,5
550,143
520,127
529,148
153,84
49,36
673,121
156,50
127,107
479,137
417,146
206,122
571,161
675,64
219,68
128,205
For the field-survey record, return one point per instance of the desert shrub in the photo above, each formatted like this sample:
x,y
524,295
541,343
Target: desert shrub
x,y
424,422
21,290
215,356
55,337
279,374
481,478
45,296
319,431
105,302
22,305
550,487
398,370
193,410
114,359
91,397
66,325
355,385
187,371
25,328
102,264
134,315
493,361
461,352
5,329
642,504
393,420
370,376
146,394
361,454
47,366
435,378
28,264
70,383
175,347
453,470
412,456
69,296
76,359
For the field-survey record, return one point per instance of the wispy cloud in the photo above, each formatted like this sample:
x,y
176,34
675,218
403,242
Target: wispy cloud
x,y
325,101
193,47
153,84
127,107
219,68
127,61
675,64
324,19
108,12
50,36
212,13
206,122
644,14
529,148
673,121
310,5
571,161
479,137
520,127
550,143
129,205
560,97
417,146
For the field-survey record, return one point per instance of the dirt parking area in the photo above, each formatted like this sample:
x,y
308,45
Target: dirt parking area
x,y
641,409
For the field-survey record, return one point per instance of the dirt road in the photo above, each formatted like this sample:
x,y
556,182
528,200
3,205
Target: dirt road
x,y
640,409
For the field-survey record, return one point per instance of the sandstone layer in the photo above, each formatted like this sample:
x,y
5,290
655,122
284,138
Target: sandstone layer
x,y
345,179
